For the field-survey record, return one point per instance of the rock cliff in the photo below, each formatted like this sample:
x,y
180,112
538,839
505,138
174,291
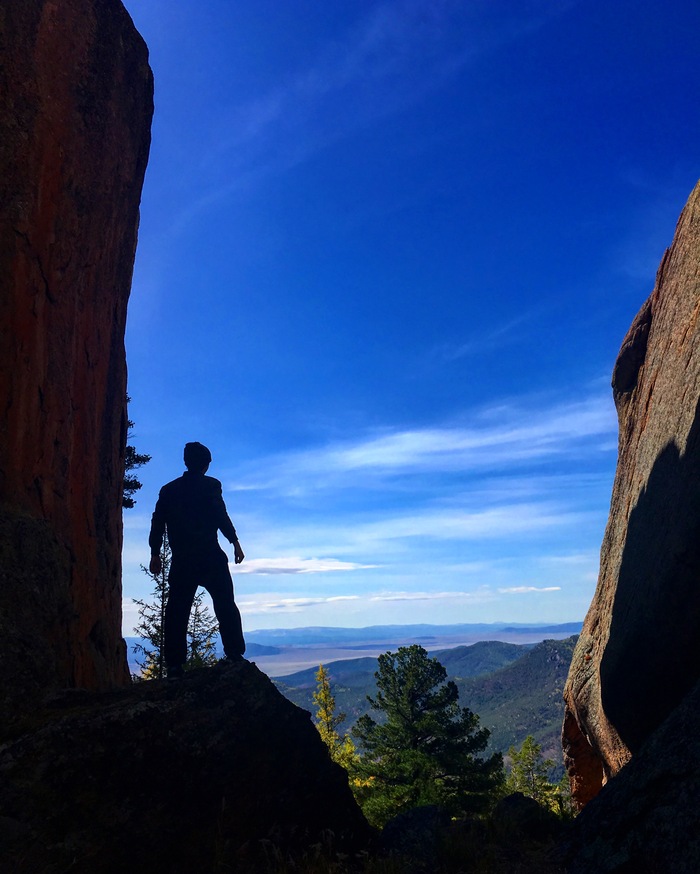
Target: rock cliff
x,y
76,104
636,657
646,820
203,774
208,773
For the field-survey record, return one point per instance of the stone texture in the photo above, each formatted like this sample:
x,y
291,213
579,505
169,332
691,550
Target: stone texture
x,y
76,104
179,776
636,657
646,820
414,837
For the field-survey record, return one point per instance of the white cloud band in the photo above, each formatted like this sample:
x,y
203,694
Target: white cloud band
x,y
522,590
294,565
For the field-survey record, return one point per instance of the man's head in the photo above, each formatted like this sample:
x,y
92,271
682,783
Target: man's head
x,y
197,457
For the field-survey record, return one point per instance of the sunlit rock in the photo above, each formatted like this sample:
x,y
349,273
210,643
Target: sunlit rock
x,y
637,656
76,102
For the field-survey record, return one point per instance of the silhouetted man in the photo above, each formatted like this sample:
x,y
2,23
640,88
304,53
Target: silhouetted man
x,y
192,509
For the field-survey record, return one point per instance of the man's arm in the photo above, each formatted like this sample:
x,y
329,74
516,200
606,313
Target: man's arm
x,y
226,527
155,538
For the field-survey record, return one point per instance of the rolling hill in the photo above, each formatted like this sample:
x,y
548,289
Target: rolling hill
x,y
524,697
516,689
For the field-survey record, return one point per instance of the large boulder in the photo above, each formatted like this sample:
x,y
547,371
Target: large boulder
x,y
76,102
213,772
646,820
637,656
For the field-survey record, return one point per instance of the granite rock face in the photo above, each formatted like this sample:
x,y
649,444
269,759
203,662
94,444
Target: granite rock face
x,y
646,820
637,656
207,773
76,97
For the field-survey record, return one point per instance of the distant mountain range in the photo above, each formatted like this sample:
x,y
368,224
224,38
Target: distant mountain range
x,y
252,650
282,651
422,633
516,689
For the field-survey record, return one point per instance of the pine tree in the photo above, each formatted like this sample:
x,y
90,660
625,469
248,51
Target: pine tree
x,y
132,461
426,750
152,620
529,774
202,630
342,750
529,771
202,627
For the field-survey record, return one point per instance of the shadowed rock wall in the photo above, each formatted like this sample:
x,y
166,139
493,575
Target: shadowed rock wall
x,y
637,656
646,820
76,100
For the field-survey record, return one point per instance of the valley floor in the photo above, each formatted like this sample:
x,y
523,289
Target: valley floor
x,y
291,659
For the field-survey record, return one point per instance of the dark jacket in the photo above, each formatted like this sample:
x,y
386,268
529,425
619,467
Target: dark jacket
x,y
193,510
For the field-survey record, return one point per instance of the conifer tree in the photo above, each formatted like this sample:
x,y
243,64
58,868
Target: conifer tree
x,y
202,630
342,750
427,749
529,774
132,461
529,771
202,627
152,620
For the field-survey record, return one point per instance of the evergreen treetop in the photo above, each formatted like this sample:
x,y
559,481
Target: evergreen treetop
x,y
427,749
132,461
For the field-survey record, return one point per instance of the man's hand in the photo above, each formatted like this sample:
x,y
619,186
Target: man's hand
x,y
238,554
156,565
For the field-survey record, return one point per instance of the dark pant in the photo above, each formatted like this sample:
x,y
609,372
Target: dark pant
x,y
186,573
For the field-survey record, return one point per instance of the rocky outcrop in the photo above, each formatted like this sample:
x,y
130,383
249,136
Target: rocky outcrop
x,y
637,656
646,820
207,773
76,104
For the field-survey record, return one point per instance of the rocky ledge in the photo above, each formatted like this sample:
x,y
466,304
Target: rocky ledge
x,y
199,774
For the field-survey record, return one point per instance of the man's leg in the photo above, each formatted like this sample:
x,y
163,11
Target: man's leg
x,y
217,581
182,585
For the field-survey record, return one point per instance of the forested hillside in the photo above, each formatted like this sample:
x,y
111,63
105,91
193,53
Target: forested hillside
x,y
515,689
524,697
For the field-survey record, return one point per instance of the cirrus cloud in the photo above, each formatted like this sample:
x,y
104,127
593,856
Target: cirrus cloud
x,y
522,590
295,565
504,437
250,606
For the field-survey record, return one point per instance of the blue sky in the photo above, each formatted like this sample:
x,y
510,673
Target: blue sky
x,y
388,253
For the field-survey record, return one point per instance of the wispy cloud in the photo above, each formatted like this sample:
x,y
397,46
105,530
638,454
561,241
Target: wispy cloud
x,y
294,565
272,604
479,596
503,437
489,506
388,60
391,535
575,559
486,341
513,439
288,605
650,231
130,616
522,590
501,521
